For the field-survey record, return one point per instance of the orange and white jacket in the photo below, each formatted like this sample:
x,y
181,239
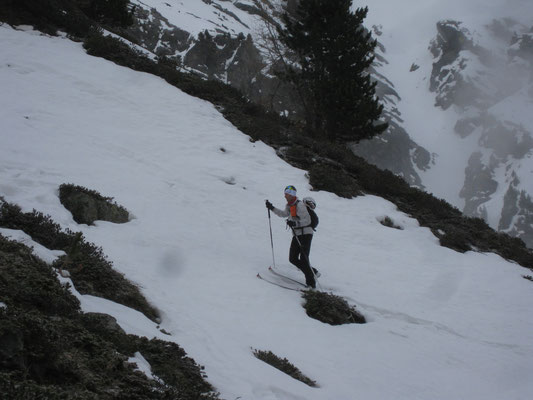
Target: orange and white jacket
x,y
298,213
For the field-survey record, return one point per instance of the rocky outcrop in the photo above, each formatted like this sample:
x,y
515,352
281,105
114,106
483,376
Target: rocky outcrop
x,y
154,32
479,185
395,151
453,78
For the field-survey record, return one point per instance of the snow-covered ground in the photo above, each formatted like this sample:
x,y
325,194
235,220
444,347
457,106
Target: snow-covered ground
x,y
442,325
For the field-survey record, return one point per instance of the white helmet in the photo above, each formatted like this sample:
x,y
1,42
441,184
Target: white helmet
x,y
310,202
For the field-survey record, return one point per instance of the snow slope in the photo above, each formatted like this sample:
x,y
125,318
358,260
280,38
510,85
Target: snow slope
x,y
442,325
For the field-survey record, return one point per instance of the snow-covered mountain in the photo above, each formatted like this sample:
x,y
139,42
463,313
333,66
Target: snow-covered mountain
x,y
464,73
441,324
455,80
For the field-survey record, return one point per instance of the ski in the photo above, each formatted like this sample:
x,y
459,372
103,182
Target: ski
x,y
278,284
286,277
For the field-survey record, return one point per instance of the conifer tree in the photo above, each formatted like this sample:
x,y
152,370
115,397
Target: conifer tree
x,y
333,52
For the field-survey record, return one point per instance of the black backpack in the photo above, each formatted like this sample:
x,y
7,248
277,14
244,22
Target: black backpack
x,y
311,205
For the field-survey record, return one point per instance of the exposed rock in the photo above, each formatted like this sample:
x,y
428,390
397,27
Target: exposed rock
x,y
155,33
510,205
517,213
396,151
453,81
506,139
479,185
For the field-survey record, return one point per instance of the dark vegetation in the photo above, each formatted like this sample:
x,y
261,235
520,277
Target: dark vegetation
x,y
284,366
330,309
88,205
334,52
50,350
388,222
76,17
91,272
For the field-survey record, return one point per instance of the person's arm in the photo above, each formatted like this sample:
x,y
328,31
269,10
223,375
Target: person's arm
x,y
282,213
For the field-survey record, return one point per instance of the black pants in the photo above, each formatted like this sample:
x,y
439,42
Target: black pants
x,y
299,256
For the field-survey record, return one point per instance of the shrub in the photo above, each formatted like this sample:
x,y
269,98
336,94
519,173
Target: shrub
x,y
78,18
109,12
114,49
333,179
88,206
40,227
168,361
30,283
330,309
284,366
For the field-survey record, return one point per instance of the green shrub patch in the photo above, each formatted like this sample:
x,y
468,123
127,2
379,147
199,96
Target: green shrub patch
x,y
284,366
88,205
28,282
330,309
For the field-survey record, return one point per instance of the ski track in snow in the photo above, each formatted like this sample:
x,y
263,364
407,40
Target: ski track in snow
x,y
441,324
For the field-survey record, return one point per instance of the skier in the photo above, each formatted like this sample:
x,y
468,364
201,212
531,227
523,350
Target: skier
x,y
299,221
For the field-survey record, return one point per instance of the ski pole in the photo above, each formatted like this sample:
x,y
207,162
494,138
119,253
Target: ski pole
x,y
271,240
306,257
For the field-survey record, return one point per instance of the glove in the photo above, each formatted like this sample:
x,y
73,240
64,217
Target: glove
x,y
292,224
269,205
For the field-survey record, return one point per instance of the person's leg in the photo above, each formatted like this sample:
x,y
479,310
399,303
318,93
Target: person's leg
x,y
299,257
294,253
305,265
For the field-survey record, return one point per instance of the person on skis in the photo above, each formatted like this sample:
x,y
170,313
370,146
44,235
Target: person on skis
x,y
299,220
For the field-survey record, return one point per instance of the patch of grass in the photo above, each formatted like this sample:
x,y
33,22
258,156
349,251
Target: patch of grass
x,y
284,366
389,223
330,309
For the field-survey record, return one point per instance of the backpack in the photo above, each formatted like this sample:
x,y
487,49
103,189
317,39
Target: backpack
x,y
311,205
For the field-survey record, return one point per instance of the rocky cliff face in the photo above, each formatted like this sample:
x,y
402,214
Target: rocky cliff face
x,y
219,50
488,88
